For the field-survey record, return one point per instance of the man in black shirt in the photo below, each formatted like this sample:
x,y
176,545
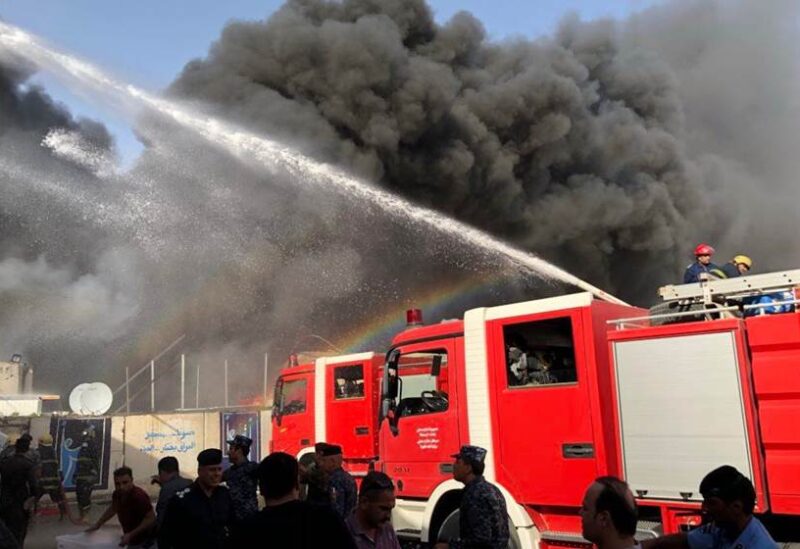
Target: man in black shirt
x,y
19,490
171,482
287,522
200,516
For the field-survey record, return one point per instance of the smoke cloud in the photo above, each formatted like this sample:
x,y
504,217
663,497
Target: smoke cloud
x,y
610,147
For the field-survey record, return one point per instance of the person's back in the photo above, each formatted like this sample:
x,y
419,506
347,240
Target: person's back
x,y
49,477
17,486
16,474
286,522
730,270
317,482
738,266
296,525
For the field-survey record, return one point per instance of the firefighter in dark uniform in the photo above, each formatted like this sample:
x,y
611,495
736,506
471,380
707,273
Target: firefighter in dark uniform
x,y
702,265
483,519
200,517
50,481
315,479
87,471
242,478
740,265
18,489
341,485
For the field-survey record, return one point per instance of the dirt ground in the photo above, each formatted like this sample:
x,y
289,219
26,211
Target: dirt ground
x,y
45,526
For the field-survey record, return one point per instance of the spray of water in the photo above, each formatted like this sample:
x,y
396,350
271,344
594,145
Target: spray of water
x,y
276,156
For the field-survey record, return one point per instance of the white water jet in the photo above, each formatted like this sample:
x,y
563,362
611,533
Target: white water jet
x,y
273,155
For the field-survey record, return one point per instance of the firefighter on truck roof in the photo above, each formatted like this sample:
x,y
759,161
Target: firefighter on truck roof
x,y
738,266
702,264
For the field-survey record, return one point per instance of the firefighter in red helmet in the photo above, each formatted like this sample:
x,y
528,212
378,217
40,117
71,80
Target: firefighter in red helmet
x,y
702,264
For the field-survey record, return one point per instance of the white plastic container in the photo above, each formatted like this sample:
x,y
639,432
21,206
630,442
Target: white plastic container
x,y
105,538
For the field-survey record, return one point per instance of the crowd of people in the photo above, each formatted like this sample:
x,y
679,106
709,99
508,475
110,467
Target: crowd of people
x,y
320,505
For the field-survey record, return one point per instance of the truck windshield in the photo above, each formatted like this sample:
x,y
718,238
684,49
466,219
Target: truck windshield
x,y
292,397
422,392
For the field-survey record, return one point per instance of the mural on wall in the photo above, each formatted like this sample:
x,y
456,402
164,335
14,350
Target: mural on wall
x,y
241,423
92,437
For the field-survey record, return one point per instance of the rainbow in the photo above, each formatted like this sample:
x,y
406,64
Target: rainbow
x,y
375,333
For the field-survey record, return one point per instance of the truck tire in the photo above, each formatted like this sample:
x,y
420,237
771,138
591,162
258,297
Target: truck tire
x,y
450,529
678,307
306,459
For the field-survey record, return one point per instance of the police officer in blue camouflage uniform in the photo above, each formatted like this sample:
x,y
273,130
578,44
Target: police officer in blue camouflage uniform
x,y
242,478
341,485
483,518
728,500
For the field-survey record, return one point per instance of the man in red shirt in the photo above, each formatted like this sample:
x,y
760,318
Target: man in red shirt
x,y
132,506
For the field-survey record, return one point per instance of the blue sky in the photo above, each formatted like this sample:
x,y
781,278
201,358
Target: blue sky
x,y
147,42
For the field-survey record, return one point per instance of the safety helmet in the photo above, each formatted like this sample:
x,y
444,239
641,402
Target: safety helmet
x,y
744,260
46,439
703,249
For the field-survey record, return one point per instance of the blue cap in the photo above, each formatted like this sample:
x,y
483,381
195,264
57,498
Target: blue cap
x,y
473,454
241,440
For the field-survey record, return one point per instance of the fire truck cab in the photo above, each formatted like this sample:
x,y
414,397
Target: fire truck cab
x,y
333,399
546,424
565,389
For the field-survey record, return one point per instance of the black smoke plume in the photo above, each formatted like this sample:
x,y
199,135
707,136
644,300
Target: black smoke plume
x,y
610,147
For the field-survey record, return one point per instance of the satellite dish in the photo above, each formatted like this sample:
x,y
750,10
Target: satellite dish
x,y
75,403
96,399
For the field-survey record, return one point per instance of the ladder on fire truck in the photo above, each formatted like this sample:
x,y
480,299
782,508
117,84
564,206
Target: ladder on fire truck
x,y
715,298
713,290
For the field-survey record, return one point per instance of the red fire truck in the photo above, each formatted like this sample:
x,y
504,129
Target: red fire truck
x,y
331,399
565,389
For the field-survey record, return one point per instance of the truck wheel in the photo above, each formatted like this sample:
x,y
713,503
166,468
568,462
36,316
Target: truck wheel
x,y
450,529
306,459
678,307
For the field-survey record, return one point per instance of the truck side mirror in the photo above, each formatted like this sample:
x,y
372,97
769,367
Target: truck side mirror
x,y
277,401
436,365
390,389
390,375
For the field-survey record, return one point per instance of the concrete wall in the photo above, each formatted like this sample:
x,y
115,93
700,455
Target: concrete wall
x,y
147,438
139,441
